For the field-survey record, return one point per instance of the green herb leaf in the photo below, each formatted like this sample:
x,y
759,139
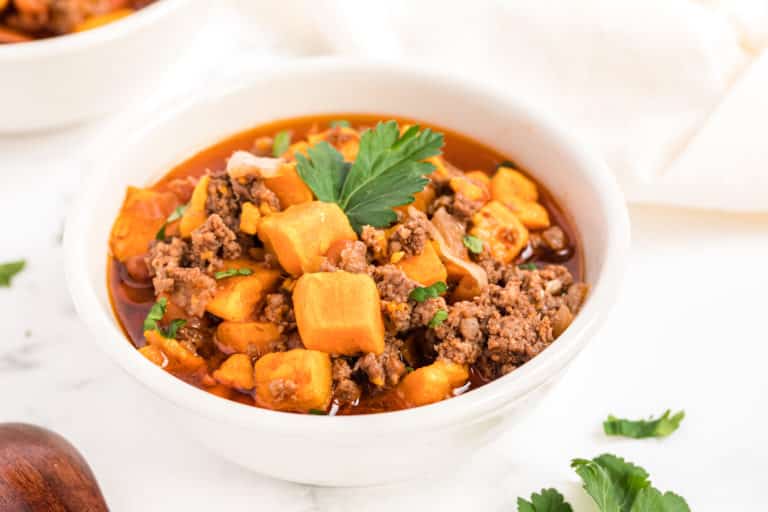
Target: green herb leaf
x,y
10,269
324,172
422,293
619,486
639,429
340,123
281,143
156,313
474,244
409,369
175,215
527,266
387,172
549,500
318,412
438,319
233,272
173,328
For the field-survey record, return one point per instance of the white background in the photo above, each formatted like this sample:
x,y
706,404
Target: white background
x,y
688,332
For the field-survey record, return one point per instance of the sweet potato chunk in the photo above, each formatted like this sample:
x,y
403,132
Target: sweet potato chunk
x,y
288,186
195,214
143,213
425,268
432,383
297,380
496,225
470,189
480,178
508,182
300,235
531,214
236,372
250,218
237,296
339,313
177,358
252,338
421,200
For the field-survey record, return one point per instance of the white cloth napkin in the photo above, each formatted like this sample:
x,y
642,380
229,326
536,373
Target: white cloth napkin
x,y
673,92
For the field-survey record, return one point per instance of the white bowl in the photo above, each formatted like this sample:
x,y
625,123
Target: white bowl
x,y
62,80
371,449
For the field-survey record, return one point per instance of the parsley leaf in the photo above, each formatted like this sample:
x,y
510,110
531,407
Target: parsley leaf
x,y
639,429
527,266
549,500
233,272
156,313
175,215
281,143
318,412
438,319
10,269
173,328
619,486
340,123
474,244
387,172
422,293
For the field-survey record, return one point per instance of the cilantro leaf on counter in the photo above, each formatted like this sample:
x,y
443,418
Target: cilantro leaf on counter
x,y
474,244
175,215
548,500
10,269
281,143
387,172
156,313
233,272
620,486
438,319
422,293
340,123
639,429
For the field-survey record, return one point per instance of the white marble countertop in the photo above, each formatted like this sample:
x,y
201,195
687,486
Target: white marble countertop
x,y
687,333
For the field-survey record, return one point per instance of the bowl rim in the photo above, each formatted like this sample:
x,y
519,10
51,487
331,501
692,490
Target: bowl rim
x,y
53,46
465,408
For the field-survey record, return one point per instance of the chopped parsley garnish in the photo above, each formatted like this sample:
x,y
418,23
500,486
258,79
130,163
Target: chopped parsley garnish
x,y
388,170
422,293
340,123
10,269
438,319
619,486
318,412
409,369
156,313
639,429
527,266
175,215
233,272
281,143
548,500
474,244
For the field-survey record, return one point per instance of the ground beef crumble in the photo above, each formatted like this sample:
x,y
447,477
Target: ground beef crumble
x,y
346,390
212,243
410,237
252,189
222,200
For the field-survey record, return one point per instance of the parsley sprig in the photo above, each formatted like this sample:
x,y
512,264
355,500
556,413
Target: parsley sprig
x,y
175,215
661,427
10,269
422,293
388,170
233,272
474,244
156,313
281,143
439,317
548,500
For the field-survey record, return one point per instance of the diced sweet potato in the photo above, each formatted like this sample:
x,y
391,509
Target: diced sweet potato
x,y
421,200
496,225
252,338
297,147
178,358
236,372
531,214
467,289
237,296
154,354
195,214
481,178
143,213
432,383
250,218
441,172
297,380
469,189
288,186
509,182
300,235
339,313
425,268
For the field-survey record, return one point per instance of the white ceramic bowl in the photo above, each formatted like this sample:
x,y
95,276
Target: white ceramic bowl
x,y
62,80
360,450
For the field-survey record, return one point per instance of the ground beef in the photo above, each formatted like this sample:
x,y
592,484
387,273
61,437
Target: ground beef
x,y
278,309
346,389
351,258
253,190
183,187
376,242
410,237
162,257
457,205
394,287
222,200
192,289
213,242
385,369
